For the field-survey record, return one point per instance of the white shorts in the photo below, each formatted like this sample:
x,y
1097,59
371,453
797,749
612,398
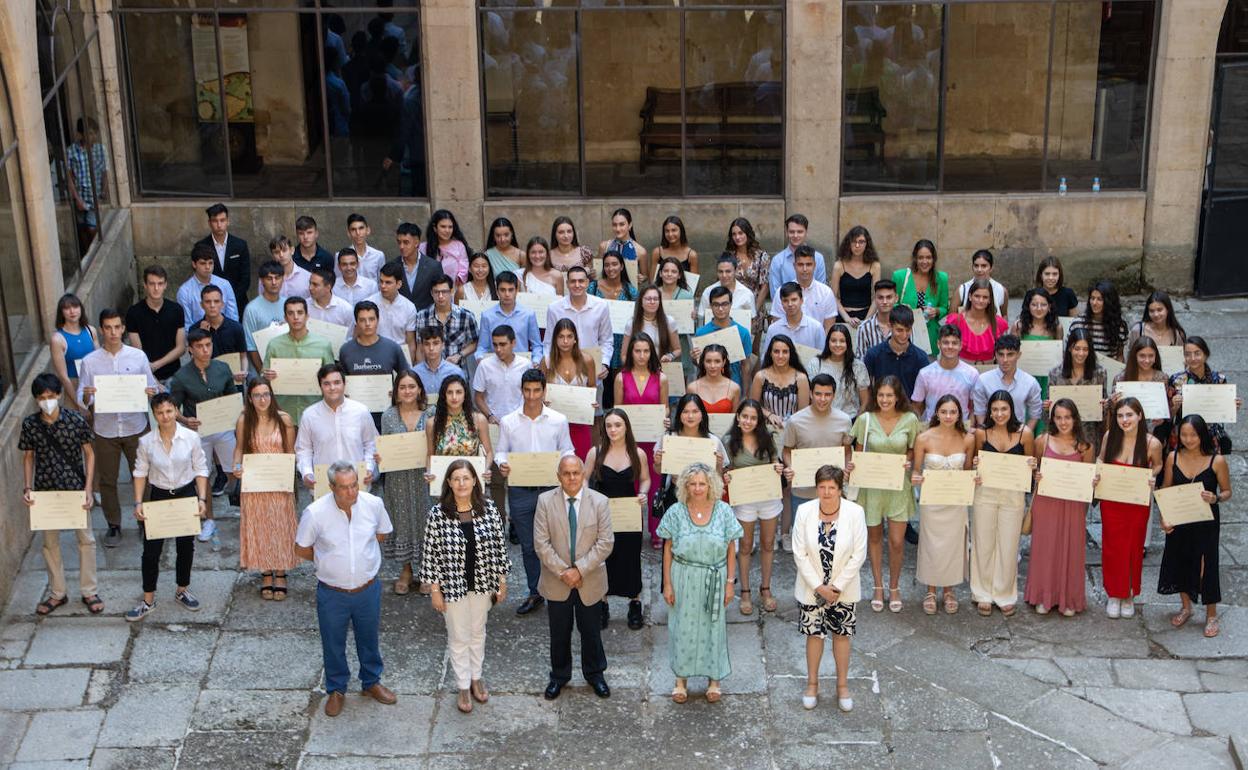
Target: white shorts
x,y
752,512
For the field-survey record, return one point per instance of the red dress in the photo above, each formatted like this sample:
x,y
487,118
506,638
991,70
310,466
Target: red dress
x,y
1055,575
1123,527
648,396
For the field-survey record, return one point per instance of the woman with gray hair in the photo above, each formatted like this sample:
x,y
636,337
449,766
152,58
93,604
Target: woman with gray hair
x,y
699,558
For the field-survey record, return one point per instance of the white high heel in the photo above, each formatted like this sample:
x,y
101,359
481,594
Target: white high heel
x,y
810,701
845,704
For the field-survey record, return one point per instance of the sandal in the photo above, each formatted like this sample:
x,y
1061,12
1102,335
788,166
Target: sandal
x,y
266,590
1211,627
49,604
769,601
713,693
929,603
95,605
464,702
401,588
894,605
680,693
877,605
1009,610
279,592
951,603
1180,619
746,606
985,609
478,691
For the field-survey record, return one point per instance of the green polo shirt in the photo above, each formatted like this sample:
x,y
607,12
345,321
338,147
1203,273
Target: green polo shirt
x,y
189,385
311,346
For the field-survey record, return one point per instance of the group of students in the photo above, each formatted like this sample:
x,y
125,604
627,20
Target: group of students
x,y
825,363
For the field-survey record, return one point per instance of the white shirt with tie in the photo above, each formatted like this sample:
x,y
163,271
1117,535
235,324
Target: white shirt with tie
x,y
548,432
344,549
328,435
183,463
578,499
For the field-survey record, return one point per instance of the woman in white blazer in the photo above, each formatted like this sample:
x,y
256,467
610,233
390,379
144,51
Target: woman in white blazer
x,y
829,547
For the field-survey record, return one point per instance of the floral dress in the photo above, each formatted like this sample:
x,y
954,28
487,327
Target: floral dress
x,y
753,276
457,438
822,619
267,521
1216,429
406,495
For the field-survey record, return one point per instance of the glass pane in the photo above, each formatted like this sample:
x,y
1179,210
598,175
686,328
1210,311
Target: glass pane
x,y
1230,151
631,64
178,145
1099,105
996,82
19,305
69,160
891,112
60,37
375,101
528,64
734,102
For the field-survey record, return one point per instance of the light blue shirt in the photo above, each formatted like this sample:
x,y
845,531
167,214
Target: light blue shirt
x,y
521,320
809,332
432,380
189,298
1024,392
782,270
735,367
261,313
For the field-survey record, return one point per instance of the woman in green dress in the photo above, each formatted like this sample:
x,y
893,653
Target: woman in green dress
x,y
699,543
406,493
887,426
923,288
1038,321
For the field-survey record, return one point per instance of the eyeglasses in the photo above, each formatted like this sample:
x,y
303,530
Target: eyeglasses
x,y
261,396
441,291
721,304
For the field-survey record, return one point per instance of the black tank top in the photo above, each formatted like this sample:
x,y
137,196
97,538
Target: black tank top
x,y
1017,449
856,292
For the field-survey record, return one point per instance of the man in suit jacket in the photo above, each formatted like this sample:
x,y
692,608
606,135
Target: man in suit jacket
x,y
419,271
574,583
233,257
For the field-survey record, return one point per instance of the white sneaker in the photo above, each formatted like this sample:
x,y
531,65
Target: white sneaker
x,y
1041,609
206,531
1127,608
1113,608
786,542
845,704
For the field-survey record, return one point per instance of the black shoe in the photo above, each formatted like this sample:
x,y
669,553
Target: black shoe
x,y
634,615
112,538
234,499
530,604
511,534
606,615
912,534
553,689
600,688
219,483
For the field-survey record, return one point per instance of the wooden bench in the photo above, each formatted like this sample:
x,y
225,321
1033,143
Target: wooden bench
x,y
720,118
863,119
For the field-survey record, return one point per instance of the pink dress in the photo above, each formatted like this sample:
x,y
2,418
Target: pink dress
x,y
649,396
454,260
976,348
1055,575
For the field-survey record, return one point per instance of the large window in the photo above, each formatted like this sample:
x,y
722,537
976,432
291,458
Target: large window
x,y
996,96
321,99
19,325
644,97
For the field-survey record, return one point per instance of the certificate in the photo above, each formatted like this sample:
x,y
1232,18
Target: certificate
x,y
756,484
682,311
1087,399
335,333
264,336
805,462
742,315
1066,480
679,452
538,303
171,518
630,268
721,423
1038,357
268,473
234,361
533,469
1171,359
675,372
1067,321
879,470
692,279
621,315
729,337
947,487
120,393
1183,504
1112,367
1151,395
1216,403
595,355
1123,484
477,306
402,451
646,420
320,474
437,469
295,376
805,353
919,335
58,510
625,514
217,415
1005,471
572,401
371,390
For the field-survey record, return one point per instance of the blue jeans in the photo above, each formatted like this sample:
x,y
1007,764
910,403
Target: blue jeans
x,y
335,610
523,502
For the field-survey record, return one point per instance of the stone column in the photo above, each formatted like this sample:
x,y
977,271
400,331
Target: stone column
x,y
1179,134
19,58
453,109
104,61
812,119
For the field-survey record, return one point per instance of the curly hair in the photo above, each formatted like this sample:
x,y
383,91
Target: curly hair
x,y
712,478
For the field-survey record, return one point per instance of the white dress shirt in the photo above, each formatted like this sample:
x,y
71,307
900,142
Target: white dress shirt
x,y
808,332
362,290
518,433
500,383
293,285
338,312
183,463
328,435
593,324
742,299
395,319
370,263
345,550
818,302
128,360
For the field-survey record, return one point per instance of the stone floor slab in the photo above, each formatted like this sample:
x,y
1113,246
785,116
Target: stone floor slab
x,y
60,735
252,710
1012,746
1090,729
1218,713
240,751
50,688
1037,668
172,653
278,660
506,719
134,759
1157,710
914,704
367,727
1087,672
70,641
12,728
149,715
819,756
918,750
1176,675
1189,642
1186,753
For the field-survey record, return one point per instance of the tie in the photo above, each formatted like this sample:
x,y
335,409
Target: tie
x,y
572,527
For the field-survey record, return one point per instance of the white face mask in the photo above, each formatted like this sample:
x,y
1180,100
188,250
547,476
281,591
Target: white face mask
x,y
48,405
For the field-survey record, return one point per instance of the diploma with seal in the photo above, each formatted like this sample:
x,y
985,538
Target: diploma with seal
x,y
572,401
538,303
439,463
621,313
806,462
1182,504
171,518
625,514
1215,403
682,311
743,316
755,484
335,333
1123,484
1000,470
320,474
720,424
58,510
729,337
675,372
947,487
1171,359
919,336
533,469
879,470
371,390
1112,367
1151,395
268,473
217,415
679,452
1038,357
402,451
805,353
295,376
1087,399
120,393
266,335
646,420
1066,480
234,361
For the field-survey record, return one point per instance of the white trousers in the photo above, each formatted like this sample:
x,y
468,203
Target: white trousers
x,y
222,446
465,636
996,526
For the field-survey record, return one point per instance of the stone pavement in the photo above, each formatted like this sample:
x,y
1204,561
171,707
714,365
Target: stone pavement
x,y
237,684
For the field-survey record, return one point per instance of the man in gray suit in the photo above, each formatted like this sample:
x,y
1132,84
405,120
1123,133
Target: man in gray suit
x,y
574,579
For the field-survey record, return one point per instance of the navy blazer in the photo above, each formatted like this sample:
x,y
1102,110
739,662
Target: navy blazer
x,y
238,270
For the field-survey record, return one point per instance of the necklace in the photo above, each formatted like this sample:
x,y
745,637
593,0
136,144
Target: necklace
x,y
831,514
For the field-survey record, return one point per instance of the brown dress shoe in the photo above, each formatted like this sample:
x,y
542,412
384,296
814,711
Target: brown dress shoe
x,y
333,704
382,694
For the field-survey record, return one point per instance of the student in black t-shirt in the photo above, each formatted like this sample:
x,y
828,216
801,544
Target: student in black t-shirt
x,y
156,326
311,255
227,334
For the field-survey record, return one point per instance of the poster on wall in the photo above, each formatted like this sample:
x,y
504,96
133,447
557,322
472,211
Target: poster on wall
x,y
235,62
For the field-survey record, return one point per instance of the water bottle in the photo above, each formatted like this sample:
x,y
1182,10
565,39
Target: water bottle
x,y
1061,186
1096,184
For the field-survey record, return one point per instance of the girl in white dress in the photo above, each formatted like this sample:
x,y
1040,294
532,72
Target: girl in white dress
x,y
536,271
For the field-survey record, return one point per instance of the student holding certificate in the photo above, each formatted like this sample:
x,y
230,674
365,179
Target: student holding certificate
x,y
642,381
978,324
406,493
298,342
1038,323
1079,367
721,318
569,365
1196,371
692,422
171,464
1143,365
945,445
749,444
719,393
1055,578
1189,565
267,522
1123,525
997,520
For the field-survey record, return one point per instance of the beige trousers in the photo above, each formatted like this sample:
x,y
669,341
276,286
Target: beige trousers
x,y
996,526
465,636
56,567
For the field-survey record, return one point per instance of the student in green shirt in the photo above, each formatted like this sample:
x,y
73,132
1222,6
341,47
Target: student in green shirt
x,y
296,343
